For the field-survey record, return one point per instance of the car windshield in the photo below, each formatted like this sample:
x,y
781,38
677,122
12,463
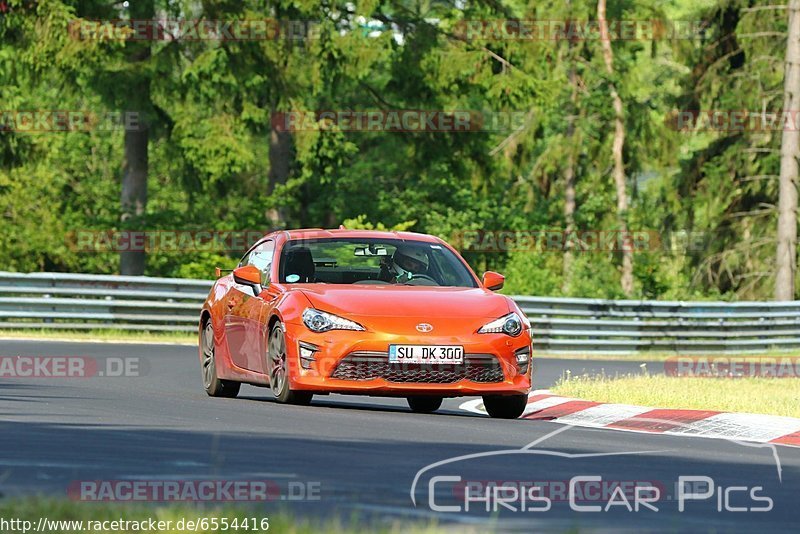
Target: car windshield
x,y
372,262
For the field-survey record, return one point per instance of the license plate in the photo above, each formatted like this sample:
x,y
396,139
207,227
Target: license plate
x,y
432,354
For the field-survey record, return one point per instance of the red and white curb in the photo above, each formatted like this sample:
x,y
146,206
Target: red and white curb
x,y
544,406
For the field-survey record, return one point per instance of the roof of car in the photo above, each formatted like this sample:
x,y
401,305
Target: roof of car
x,y
319,233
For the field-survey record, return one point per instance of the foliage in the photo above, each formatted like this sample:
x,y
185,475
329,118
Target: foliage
x,y
212,104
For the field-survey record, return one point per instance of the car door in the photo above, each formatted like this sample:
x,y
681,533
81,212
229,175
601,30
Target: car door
x,y
247,313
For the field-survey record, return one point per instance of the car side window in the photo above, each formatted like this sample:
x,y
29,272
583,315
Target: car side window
x,y
261,258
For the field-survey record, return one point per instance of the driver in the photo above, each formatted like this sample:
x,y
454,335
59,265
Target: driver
x,y
406,262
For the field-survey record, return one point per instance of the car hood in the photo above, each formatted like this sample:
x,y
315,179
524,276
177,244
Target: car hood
x,y
406,301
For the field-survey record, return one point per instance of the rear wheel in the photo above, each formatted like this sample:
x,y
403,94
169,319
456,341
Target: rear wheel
x,y
278,369
505,406
214,386
424,404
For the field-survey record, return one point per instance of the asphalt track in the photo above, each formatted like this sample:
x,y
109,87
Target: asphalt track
x,y
362,454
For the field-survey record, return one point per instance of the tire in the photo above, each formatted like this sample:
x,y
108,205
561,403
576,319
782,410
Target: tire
x,y
505,406
278,370
424,404
214,386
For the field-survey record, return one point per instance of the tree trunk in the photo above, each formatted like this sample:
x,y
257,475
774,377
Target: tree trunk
x,y
569,170
133,198
134,195
280,141
786,260
280,161
617,148
569,184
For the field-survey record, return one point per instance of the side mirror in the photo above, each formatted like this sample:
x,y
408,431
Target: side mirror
x,y
250,276
218,271
493,281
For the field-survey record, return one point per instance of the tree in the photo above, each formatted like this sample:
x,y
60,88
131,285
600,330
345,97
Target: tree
x,y
569,169
211,158
618,146
786,259
133,197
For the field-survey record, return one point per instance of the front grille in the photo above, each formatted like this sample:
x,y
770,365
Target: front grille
x,y
369,365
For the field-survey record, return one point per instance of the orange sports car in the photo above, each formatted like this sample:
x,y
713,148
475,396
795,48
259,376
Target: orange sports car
x,y
368,313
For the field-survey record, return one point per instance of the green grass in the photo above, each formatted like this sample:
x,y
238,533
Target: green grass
x,y
107,335
773,396
284,522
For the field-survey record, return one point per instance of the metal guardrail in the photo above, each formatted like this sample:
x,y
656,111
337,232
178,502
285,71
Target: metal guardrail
x,y
86,301
597,325
567,325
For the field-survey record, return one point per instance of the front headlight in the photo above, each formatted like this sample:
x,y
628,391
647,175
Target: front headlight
x,y
320,321
510,324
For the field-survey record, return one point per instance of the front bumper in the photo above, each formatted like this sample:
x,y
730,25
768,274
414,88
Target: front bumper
x,y
357,362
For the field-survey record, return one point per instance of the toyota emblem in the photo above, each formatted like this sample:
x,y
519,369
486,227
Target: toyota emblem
x,y
424,327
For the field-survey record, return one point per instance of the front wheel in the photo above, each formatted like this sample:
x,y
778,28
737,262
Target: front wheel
x,y
505,406
214,386
278,368
424,404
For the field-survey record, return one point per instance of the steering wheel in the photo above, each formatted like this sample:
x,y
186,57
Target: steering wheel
x,y
424,277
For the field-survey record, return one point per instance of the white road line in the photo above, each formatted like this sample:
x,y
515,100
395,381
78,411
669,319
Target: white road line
x,y
473,406
748,427
549,402
603,414
731,426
